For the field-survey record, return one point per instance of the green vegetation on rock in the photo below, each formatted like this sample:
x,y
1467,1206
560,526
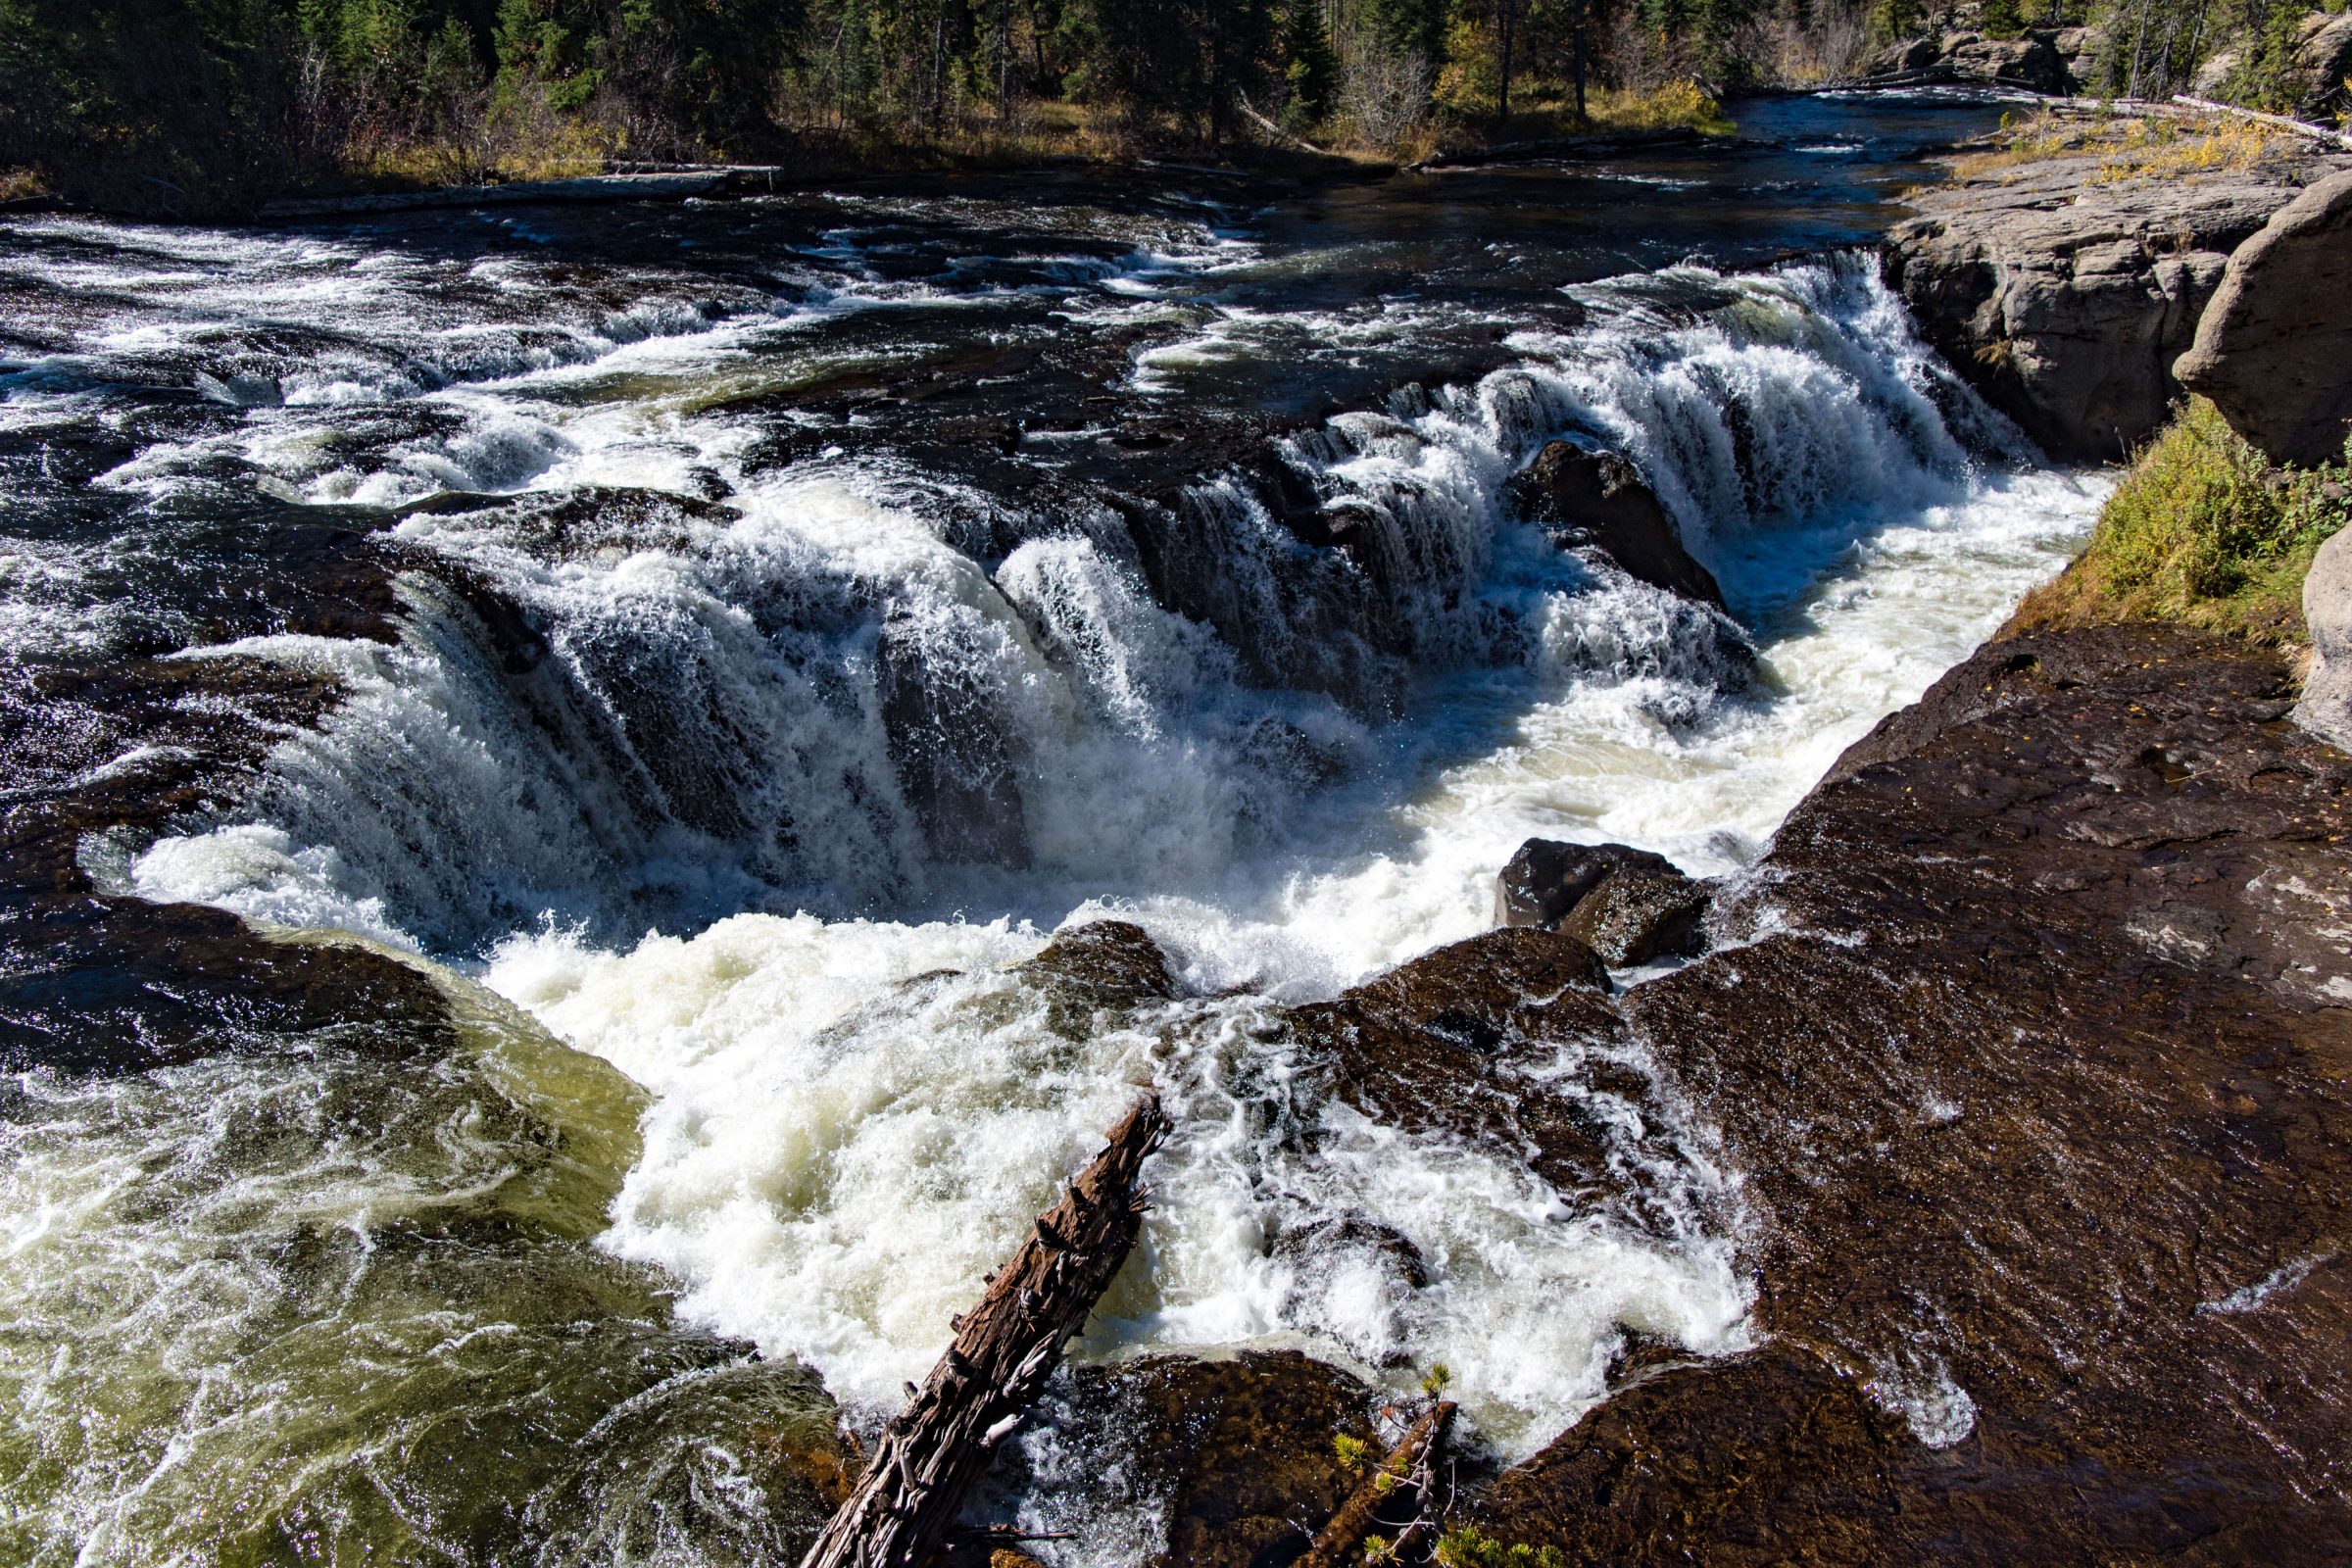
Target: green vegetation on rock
x,y
2204,530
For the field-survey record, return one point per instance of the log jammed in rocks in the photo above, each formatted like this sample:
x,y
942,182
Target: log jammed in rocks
x,y
1004,1349
1407,1466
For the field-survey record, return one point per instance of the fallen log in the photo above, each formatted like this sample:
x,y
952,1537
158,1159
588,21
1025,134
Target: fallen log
x,y
1250,113
1407,1464
1004,1349
2298,127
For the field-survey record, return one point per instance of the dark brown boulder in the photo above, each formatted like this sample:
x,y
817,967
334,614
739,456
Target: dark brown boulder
x,y
2038,1072
1774,1452
2273,349
1638,915
1547,878
1598,501
1111,963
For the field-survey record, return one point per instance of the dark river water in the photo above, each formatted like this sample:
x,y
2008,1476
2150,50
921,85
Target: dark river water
x,y
712,642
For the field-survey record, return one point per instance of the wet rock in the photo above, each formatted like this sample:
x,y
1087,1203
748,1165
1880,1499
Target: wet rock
x,y
1105,965
1547,878
2038,1068
2273,349
1639,916
1237,1452
951,744
1776,1452
2326,708
1455,1042
2065,300
1598,500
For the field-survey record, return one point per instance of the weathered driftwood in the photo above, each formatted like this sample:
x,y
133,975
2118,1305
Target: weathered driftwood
x,y
1004,1349
1407,1464
1286,138
2299,127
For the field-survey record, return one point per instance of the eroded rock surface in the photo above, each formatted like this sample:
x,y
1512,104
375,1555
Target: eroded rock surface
x,y
2066,297
2038,1068
2273,349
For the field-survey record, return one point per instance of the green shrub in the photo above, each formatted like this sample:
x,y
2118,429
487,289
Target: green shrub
x,y
1468,1546
2203,530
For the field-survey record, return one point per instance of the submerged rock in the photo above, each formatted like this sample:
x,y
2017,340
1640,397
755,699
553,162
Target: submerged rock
x,y
1598,500
2274,350
951,744
2036,1070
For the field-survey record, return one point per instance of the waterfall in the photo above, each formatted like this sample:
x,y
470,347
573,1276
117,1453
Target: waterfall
x,y
615,710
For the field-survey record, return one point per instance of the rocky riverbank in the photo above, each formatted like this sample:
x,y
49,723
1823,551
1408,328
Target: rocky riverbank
x,y
2065,270
2031,1041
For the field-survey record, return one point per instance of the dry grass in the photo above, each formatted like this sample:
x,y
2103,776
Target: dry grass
x,y
2130,147
20,184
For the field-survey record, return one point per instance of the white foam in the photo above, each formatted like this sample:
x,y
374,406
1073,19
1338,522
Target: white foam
x,y
837,1149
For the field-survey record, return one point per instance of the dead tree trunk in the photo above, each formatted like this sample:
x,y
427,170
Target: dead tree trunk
x,y
1004,1349
1407,1464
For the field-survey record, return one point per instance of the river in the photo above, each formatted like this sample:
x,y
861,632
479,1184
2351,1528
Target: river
x,y
739,632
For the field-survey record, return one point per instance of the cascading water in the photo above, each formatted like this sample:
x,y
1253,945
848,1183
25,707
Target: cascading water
x,y
752,716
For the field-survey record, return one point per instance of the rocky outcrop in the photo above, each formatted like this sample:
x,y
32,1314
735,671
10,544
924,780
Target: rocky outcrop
x,y
2037,1063
1598,501
2032,1051
2324,63
2041,62
2326,706
2066,300
2274,350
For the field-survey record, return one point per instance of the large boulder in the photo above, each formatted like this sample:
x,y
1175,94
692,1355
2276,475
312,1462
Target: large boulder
x,y
2065,301
2274,350
2035,1067
1598,501
2326,706
1547,878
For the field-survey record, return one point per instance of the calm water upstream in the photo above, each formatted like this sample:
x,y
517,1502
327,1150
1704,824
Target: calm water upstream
x,y
799,609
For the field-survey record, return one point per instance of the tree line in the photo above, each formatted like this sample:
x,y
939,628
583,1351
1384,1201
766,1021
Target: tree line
x,y
204,105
